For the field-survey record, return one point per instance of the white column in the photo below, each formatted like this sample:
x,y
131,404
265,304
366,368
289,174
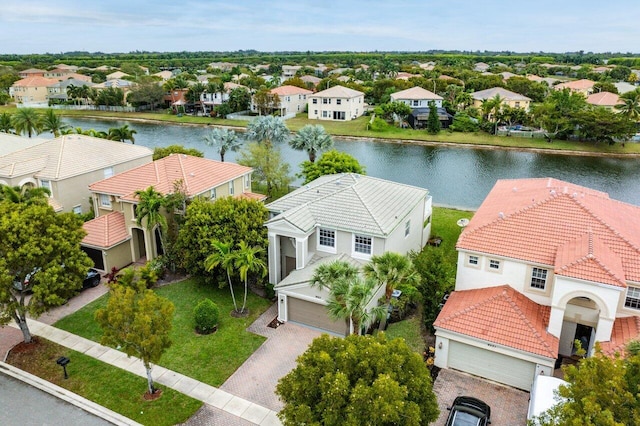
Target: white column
x,y
274,258
604,329
555,321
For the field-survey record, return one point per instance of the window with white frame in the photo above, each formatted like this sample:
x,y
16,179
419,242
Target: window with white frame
x,y
325,101
77,209
538,278
633,298
105,200
46,184
327,237
324,114
416,103
231,188
213,193
473,260
362,244
247,181
407,228
315,101
338,101
108,172
494,265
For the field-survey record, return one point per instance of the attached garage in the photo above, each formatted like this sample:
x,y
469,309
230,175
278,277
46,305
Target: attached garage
x,y
95,255
491,365
314,315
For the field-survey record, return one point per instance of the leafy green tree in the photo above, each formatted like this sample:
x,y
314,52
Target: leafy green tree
x,y
556,112
268,168
239,99
391,270
194,92
249,260
228,220
433,122
532,89
6,123
223,140
224,257
149,211
437,278
123,133
51,122
395,111
329,163
161,152
26,120
206,315
351,382
601,124
111,96
41,250
313,139
604,86
138,321
4,98
463,123
630,106
268,130
149,93
483,82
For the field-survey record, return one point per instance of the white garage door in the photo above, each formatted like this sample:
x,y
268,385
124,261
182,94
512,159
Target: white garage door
x,y
313,314
493,366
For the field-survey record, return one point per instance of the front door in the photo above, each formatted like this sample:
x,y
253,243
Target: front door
x,y
583,335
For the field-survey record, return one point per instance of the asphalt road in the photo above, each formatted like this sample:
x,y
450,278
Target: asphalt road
x,y
24,405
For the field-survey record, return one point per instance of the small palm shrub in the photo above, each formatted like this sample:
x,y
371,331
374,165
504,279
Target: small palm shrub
x,y
206,315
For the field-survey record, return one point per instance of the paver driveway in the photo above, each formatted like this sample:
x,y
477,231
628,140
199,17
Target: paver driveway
x,y
256,379
508,405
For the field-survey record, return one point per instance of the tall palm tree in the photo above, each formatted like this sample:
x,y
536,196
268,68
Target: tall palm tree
x,y
312,138
248,260
51,122
122,134
26,194
336,277
6,124
630,106
390,269
222,256
150,204
224,140
26,120
194,92
268,130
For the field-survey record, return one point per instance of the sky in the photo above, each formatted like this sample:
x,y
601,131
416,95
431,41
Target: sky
x,y
34,26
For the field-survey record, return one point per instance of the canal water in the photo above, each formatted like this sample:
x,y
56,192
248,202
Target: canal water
x,y
458,177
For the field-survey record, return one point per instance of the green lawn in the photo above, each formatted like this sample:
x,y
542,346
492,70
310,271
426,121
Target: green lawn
x,y
410,329
444,225
210,359
105,384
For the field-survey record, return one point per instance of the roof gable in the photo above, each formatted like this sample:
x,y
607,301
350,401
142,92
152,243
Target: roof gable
x,y
499,91
105,231
416,93
338,92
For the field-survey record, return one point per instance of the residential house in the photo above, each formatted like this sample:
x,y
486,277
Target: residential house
x,y
67,165
337,103
506,75
293,99
58,92
117,75
624,87
406,76
211,99
346,217
583,86
164,75
31,72
224,66
31,90
289,71
509,98
606,100
124,85
542,263
114,239
481,67
417,97
64,74
310,81
419,117
72,68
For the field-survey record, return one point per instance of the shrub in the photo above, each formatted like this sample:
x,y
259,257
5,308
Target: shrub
x,y
269,291
464,123
206,315
378,125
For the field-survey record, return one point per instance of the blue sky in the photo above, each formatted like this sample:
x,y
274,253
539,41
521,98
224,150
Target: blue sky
x,y
34,26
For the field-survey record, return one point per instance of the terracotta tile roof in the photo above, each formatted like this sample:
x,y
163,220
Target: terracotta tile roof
x,y
604,99
253,196
534,77
290,90
576,85
35,82
532,219
105,231
310,79
587,257
624,331
500,315
32,71
198,175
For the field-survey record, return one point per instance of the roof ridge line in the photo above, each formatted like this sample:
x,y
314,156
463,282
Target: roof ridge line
x,y
523,317
58,165
368,211
606,225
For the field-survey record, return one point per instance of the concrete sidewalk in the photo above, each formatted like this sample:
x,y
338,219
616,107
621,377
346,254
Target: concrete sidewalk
x,y
215,397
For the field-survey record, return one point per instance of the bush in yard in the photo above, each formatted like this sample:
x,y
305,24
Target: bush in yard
x,y
206,314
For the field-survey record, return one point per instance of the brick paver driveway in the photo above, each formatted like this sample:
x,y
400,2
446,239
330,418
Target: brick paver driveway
x,y
508,405
256,379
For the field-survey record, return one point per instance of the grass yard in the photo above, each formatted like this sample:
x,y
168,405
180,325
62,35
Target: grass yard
x,y
104,384
210,359
444,225
410,329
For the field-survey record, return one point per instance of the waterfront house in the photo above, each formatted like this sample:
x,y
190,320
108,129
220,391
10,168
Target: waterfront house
x,y
337,103
508,98
417,97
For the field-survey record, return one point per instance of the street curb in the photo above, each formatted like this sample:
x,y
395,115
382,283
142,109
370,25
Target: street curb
x,y
70,397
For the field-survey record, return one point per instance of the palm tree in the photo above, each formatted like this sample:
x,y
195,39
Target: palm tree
x,y
6,124
26,120
267,129
194,92
51,122
630,106
26,194
150,203
122,134
248,259
222,256
224,140
313,139
390,269
336,277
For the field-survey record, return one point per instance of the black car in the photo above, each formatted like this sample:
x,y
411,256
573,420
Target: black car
x,y
468,411
91,279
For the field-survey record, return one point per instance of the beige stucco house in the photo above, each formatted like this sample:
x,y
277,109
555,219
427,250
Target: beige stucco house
x,y
509,98
346,217
114,239
542,263
31,90
337,103
67,165
293,99
606,100
583,86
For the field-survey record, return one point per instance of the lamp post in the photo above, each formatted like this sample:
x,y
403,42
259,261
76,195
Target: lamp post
x,y
63,361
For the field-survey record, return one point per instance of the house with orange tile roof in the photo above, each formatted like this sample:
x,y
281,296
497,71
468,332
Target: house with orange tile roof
x,y
31,72
604,99
583,86
293,99
543,263
31,90
114,239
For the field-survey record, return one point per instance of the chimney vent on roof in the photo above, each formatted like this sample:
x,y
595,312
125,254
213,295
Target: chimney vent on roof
x,y
574,195
501,215
552,192
192,174
515,189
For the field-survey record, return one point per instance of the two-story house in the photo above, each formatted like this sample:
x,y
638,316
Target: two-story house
x,y
115,239
31,90
337,103
338,217
584,86
417,97
507,98
543,263
293,99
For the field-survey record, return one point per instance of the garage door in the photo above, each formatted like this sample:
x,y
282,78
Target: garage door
x,y
96,256
313,314
493,366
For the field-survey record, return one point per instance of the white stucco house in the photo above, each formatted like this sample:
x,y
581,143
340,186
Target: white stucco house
x,y
346,217
417,97
336,103
293,100
542,263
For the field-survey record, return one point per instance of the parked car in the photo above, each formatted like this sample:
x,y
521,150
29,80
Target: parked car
x,y
468,411
91,279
